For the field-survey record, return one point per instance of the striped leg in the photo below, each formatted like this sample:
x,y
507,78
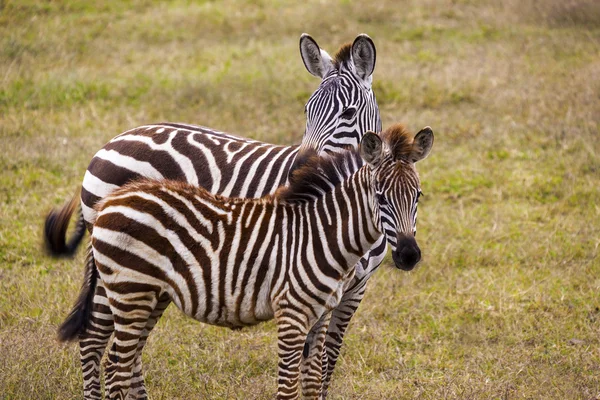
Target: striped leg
x,y
290,342
340,318
131,313
343,313
138,389
93,342
312,371
293,325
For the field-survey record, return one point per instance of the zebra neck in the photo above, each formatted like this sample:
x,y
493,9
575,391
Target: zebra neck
x,y
346,218
369,228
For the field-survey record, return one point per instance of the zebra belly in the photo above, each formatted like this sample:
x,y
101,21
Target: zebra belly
x,y
237,310
231,318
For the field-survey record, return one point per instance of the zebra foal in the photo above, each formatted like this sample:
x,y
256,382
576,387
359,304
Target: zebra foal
x,y
237,262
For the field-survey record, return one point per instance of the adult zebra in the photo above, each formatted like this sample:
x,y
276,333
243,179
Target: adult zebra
x,y
338,113
238,262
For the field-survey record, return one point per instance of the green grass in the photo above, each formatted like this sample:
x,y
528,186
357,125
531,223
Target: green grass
x,y
505,303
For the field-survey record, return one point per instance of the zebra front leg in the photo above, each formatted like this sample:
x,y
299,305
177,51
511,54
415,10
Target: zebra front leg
x,y
340,318
344,311
292,330
131,314
312,371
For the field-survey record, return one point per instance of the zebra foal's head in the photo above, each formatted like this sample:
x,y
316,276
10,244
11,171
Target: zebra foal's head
x,y
391,158
343,108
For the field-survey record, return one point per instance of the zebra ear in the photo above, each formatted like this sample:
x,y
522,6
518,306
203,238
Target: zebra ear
x,y
364,56
316,61
371,149
422,144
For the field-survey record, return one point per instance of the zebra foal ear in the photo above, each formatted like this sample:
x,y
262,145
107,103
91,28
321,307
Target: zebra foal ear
x,y
316,61
422,144
364,56
371,149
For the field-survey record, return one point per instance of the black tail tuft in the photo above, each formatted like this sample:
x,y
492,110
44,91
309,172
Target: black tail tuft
x,y
55,230
77,321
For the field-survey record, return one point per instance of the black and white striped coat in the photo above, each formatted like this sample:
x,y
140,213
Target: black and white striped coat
x,y
237,262
337,114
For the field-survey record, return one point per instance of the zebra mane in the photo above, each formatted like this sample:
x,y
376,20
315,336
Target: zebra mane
x,y
317,175
343,55
399,140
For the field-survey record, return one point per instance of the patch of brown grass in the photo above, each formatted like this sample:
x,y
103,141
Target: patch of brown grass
x,y
565,13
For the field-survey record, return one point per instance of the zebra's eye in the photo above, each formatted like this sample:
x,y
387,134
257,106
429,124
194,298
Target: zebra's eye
x,y
419,194
348,113
382,200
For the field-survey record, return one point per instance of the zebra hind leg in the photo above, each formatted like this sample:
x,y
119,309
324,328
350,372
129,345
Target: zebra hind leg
x,y
312,371
132,312
92,343
137,390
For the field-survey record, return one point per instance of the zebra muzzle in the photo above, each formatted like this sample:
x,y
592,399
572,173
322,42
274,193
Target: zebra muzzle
x,y
407,254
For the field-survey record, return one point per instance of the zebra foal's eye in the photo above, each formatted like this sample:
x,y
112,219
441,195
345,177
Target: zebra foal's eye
x,y
348,113
382,200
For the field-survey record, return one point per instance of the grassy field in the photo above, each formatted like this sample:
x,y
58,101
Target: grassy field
x,y
505,304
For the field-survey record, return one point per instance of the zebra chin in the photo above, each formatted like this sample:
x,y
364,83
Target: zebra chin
x,y
407,253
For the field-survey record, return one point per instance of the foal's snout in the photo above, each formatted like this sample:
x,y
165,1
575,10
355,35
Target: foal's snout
x,y
407,253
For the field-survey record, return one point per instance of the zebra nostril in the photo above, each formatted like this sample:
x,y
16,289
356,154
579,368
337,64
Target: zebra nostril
x,y
417,255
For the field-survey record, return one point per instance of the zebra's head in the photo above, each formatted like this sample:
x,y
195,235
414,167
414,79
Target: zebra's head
x,y
391,160
343,108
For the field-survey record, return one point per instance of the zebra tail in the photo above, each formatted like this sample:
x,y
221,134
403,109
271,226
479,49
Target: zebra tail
x,y
77,321
55,230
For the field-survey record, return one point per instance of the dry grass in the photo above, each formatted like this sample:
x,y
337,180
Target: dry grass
x,y
505,304
564,13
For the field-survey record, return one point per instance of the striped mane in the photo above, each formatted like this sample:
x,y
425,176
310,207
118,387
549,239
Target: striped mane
x,y
399,140
318,175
